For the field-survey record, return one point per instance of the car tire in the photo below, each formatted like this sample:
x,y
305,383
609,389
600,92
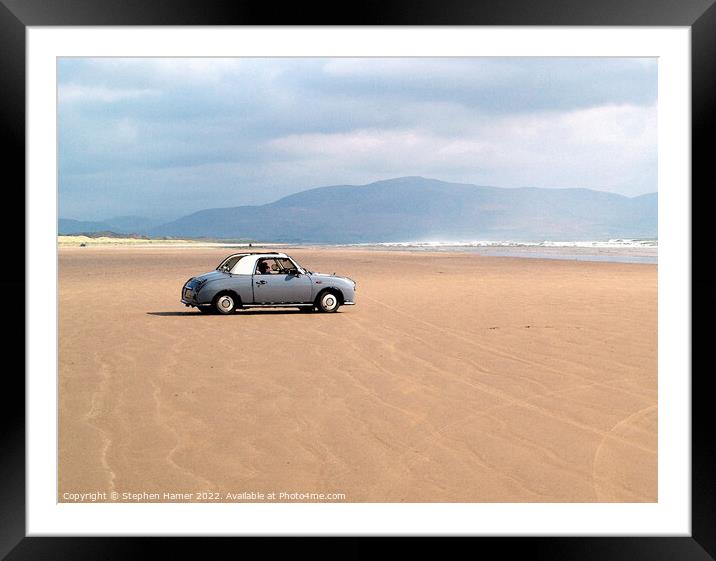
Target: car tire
x,y
328,302
225,303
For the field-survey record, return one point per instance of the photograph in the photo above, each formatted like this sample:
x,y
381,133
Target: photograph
x,y
363,279
427,270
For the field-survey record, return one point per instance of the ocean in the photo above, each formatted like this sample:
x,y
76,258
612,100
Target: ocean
x,y
615,250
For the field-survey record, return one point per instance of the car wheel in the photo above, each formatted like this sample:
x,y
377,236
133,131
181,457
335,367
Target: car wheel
x,y
328,302
225,303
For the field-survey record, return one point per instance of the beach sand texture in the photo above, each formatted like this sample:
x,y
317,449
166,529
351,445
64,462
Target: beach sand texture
x,y
455,378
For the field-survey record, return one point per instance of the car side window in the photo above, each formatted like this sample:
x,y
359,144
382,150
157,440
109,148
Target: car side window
x,y
267,267
231,263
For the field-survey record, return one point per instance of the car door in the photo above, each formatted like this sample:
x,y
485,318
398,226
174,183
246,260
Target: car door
x,y
280,287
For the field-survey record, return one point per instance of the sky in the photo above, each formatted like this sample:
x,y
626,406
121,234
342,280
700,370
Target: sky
x,y
164,137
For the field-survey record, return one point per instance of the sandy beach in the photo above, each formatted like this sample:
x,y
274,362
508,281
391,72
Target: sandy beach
x,y
456,377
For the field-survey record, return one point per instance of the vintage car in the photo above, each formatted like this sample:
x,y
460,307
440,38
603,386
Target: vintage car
x,y
266,280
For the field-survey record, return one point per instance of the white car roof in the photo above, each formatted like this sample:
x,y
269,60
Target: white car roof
x,y
247,265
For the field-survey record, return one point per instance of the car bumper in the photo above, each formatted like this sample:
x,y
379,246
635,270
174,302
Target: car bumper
x,y
188,296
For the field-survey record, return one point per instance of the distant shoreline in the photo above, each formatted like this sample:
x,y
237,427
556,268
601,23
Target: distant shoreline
x,y
616,251
76,241
613,255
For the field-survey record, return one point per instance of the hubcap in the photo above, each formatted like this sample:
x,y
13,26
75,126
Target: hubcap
x,y
329,301
226,303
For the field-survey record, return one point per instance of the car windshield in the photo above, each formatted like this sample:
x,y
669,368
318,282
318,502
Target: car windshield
x,y
229,263
286,264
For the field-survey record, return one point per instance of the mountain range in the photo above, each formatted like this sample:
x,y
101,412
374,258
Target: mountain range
x,y
118,224
410,209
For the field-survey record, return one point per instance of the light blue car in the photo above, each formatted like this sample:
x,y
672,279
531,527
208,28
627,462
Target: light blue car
x,y
266,280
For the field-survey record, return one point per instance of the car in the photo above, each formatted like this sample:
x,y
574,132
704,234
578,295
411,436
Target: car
x,y
266,280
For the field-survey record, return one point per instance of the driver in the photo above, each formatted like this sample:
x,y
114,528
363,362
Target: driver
x,y
264,268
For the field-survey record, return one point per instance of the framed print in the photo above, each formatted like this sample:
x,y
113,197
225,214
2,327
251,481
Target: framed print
x,y
428,272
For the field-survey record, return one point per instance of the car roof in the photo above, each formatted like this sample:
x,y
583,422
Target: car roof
x,y
245,265
259,253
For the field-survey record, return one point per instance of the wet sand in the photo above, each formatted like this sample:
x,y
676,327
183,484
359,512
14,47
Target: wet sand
x,y
456,378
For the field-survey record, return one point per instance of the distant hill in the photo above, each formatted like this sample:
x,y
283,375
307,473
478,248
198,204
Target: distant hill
x,y
416,208
132,224
117,225
110,234
68,226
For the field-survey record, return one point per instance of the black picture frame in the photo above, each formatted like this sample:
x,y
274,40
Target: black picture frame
x,y
16,15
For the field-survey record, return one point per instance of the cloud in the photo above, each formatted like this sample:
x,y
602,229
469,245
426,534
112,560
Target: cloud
x,y
68,93
593,147
171,136
502,84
